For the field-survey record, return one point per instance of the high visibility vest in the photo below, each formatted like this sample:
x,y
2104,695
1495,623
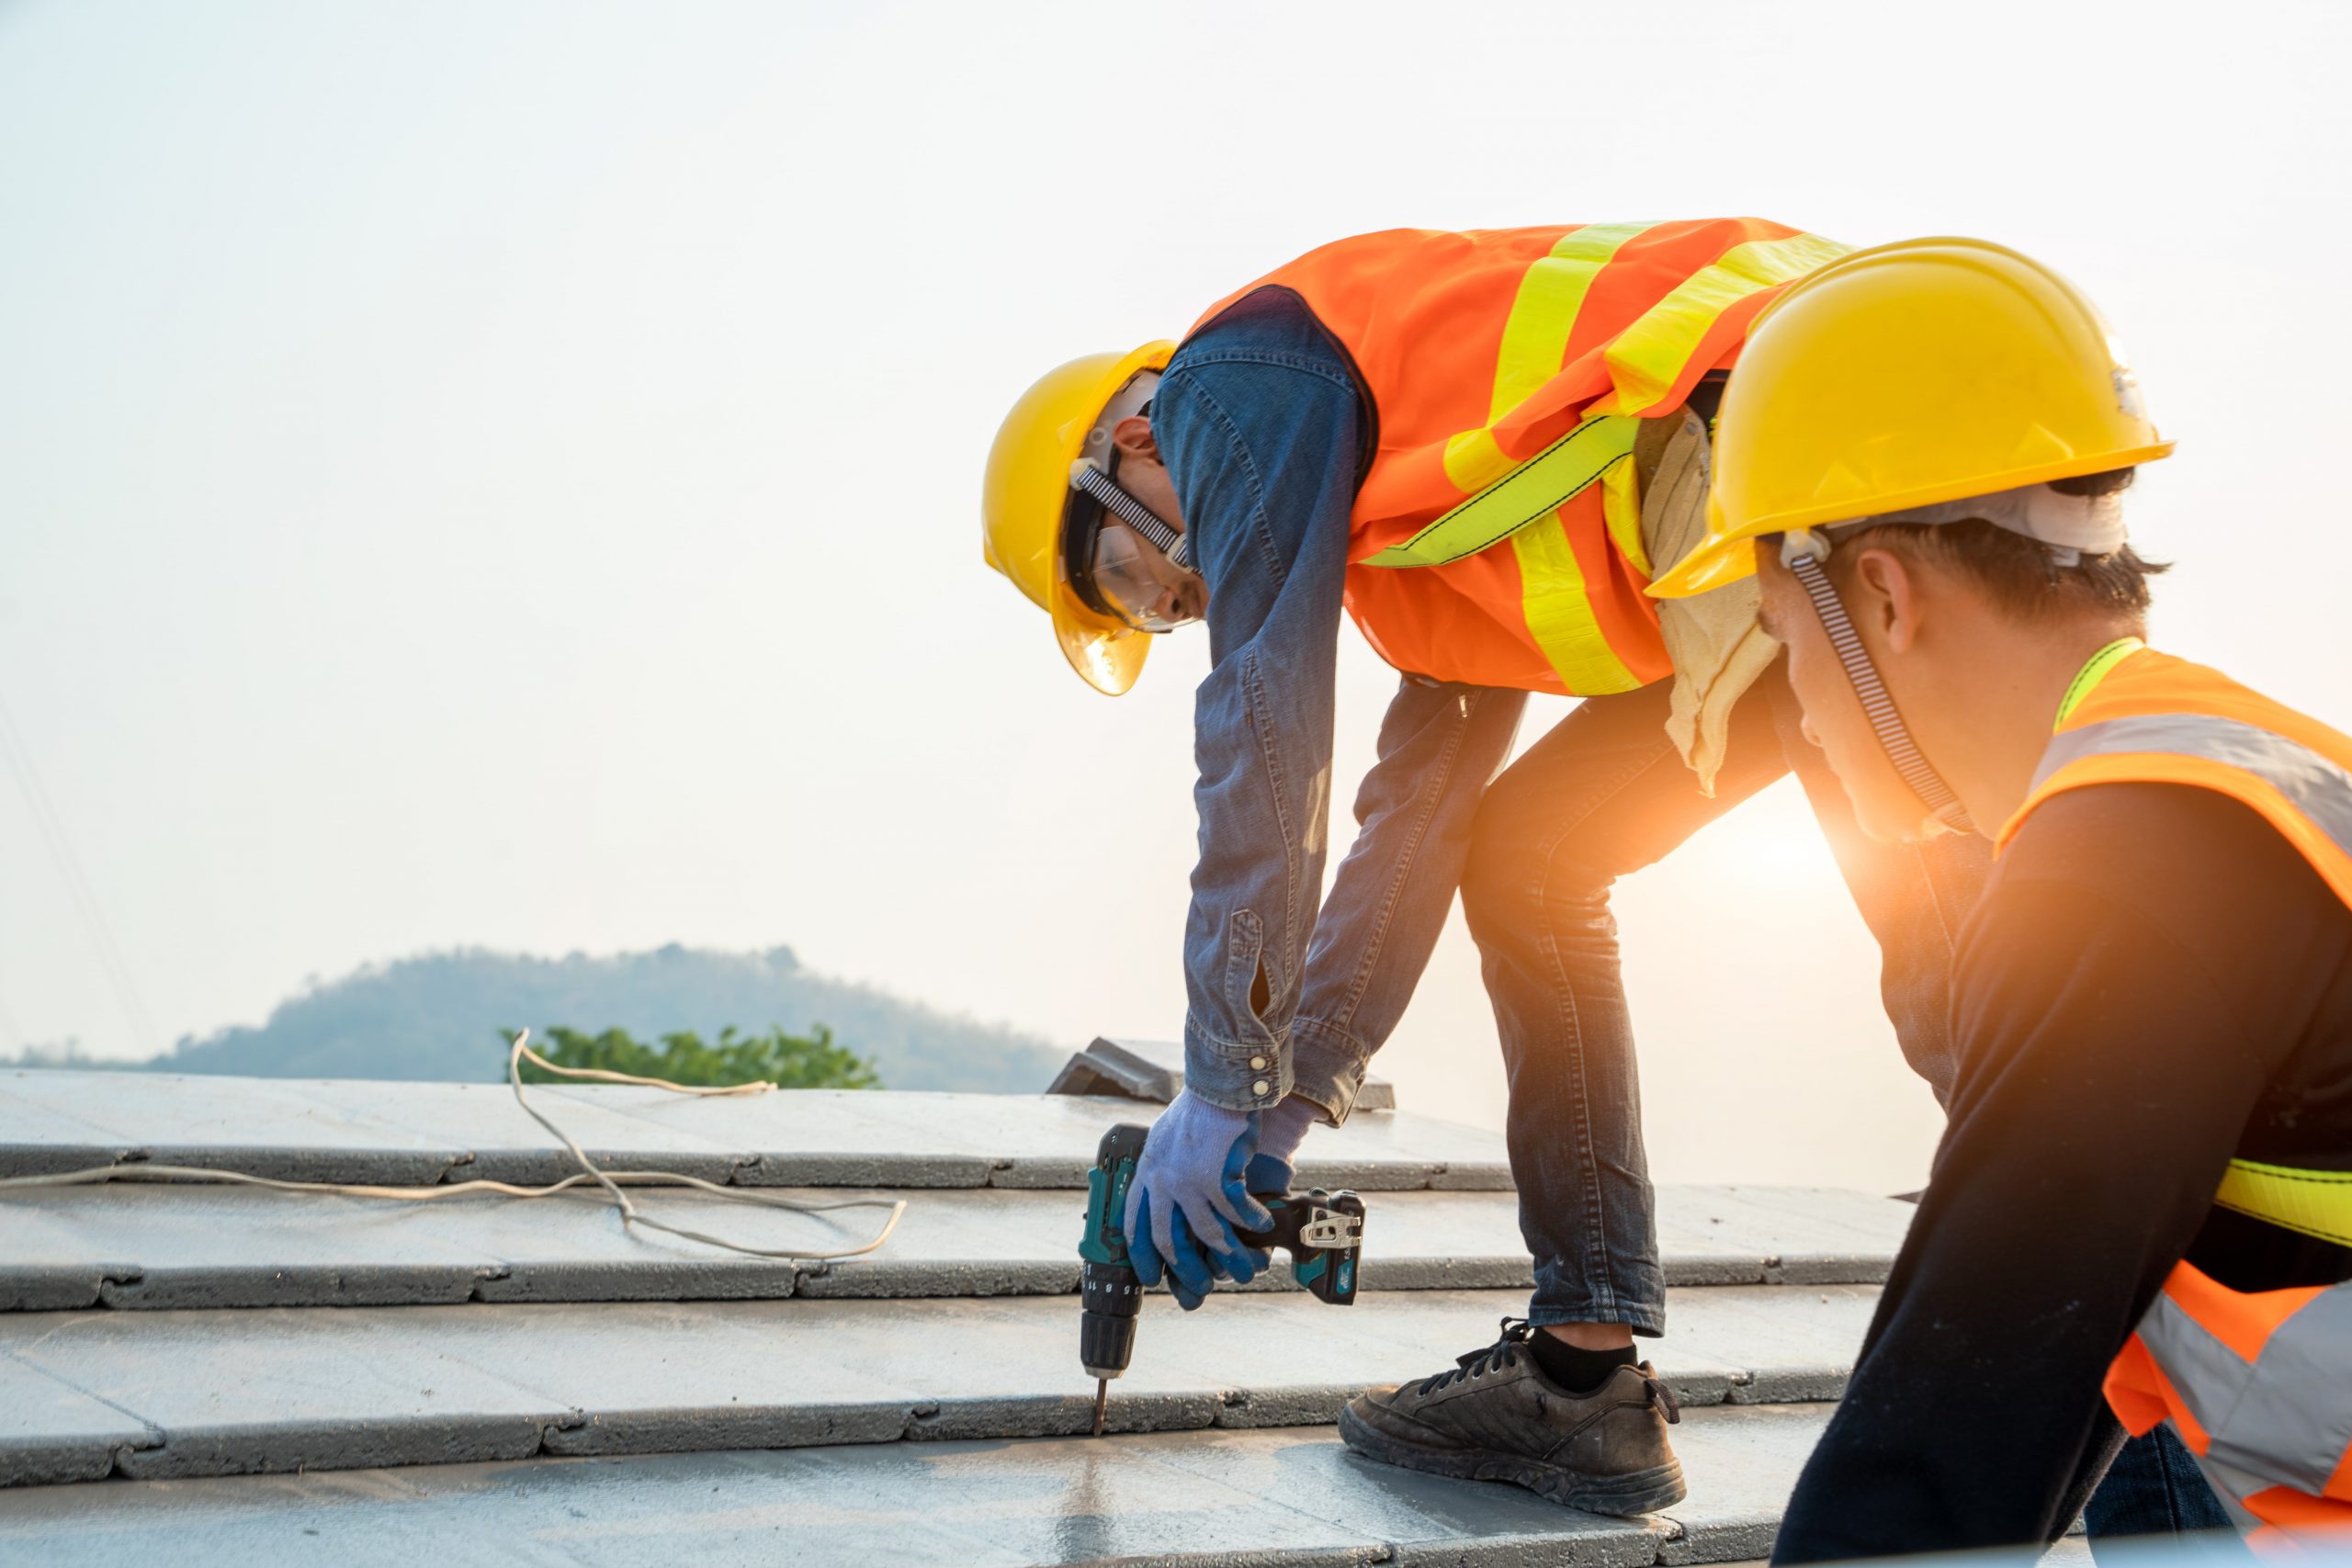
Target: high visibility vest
x,y
1495,538
2258,1384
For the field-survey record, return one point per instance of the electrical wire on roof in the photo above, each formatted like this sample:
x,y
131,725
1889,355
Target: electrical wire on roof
x,y
591,1173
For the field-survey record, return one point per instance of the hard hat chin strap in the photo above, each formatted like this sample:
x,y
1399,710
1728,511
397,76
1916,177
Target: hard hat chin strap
x,y
1802,551
1090,480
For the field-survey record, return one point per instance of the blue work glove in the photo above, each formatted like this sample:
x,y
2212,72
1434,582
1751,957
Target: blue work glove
x,y
1189,1197
1279,1132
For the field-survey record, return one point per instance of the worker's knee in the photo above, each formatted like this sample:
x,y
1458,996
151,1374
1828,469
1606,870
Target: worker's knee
x,y
1519,877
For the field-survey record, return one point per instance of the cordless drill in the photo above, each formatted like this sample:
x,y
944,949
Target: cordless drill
x,y
1323,1233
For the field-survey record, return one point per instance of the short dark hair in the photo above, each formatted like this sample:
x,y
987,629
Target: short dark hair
x,y
2019,574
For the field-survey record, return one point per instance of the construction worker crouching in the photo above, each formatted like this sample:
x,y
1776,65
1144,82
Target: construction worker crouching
x,y
1475,444
2145,1186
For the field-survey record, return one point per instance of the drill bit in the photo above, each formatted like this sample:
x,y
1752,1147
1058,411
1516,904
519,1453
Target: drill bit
x,y
1101,1396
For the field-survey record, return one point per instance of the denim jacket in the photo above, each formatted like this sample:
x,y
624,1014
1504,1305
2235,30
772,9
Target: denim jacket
x,y
1261,424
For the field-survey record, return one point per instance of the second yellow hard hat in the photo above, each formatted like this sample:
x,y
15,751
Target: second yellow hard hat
x,y
1914,373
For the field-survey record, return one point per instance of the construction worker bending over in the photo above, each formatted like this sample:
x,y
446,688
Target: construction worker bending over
x,y
1476,443
2146,1184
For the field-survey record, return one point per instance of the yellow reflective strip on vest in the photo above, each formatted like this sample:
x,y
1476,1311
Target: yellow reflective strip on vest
x,y
1528,493
1620,507
1559,613
2093,671
1473,460
1534,342
2311,1202
1648,357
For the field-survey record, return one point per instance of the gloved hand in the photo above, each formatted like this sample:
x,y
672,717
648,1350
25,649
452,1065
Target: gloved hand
x,y
1189,1197
1279,1132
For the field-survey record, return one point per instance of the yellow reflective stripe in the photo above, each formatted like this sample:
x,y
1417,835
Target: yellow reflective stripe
x,y
2311,1202
1558,601
1534,342
1648,357
1596,449
1559,614
2093,671
1473,460
1535,338
1621,508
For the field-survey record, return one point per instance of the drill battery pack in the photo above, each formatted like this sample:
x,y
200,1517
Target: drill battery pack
x,y
1323,1233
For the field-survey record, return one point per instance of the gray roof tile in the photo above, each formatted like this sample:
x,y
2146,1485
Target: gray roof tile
x,y
1196,1497
192,1246
415,1132
51,1431
264,1390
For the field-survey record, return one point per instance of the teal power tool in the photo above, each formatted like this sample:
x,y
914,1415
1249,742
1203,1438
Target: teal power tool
x,y
1323,1233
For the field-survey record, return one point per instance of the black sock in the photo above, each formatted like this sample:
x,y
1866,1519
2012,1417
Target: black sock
x,y
1577,1372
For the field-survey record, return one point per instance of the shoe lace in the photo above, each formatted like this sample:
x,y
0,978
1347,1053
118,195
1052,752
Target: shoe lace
x,y
1503,1352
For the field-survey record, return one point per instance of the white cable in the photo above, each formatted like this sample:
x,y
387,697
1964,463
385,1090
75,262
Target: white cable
x,y
608,1180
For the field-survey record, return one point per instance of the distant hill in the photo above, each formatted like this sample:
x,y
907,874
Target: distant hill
x,y
437,1016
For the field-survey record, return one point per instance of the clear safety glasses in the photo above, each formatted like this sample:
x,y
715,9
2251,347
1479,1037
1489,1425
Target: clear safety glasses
x,y
1142,584
1123,559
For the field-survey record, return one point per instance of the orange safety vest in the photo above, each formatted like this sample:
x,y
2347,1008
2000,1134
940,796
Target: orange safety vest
x,y
2258,1384
1482,350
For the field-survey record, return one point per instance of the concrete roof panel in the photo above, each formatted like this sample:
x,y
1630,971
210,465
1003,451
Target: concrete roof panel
x,y
246,1391
408,1133
1805,1235
50,1261
1287,1494
59,1120
1740,1476
336,1129
51,1431
1775,1335
828,1137
193,1246
326,1390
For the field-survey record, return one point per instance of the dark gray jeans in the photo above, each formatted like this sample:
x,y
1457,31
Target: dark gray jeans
x,y
1604,794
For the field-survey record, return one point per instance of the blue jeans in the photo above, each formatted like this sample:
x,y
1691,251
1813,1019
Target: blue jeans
x,y
1259,422
2154,1487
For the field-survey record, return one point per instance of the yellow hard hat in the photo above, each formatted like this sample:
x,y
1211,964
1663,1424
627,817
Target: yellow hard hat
x,y
1026,496
1926,371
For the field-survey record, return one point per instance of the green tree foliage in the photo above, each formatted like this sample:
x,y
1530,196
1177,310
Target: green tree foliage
x,y
788,1060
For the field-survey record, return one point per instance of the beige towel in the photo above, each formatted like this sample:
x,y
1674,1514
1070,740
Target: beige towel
x,y
1716,644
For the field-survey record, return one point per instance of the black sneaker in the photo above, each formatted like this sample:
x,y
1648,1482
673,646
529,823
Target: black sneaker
x,y
1497,1417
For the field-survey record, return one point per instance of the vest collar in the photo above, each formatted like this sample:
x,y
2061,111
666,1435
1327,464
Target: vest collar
x,y
2096,668
2093,671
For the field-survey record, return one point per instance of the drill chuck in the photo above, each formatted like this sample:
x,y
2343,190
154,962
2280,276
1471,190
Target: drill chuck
x,y
1106,1323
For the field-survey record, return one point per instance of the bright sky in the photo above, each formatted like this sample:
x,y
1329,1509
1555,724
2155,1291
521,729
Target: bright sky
x,y
506,474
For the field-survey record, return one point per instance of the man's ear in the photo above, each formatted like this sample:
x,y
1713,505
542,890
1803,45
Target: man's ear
x,y
1888,598
1132,436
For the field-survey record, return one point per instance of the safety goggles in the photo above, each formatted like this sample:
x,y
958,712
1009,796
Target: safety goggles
x,y
1123,559
1150,589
